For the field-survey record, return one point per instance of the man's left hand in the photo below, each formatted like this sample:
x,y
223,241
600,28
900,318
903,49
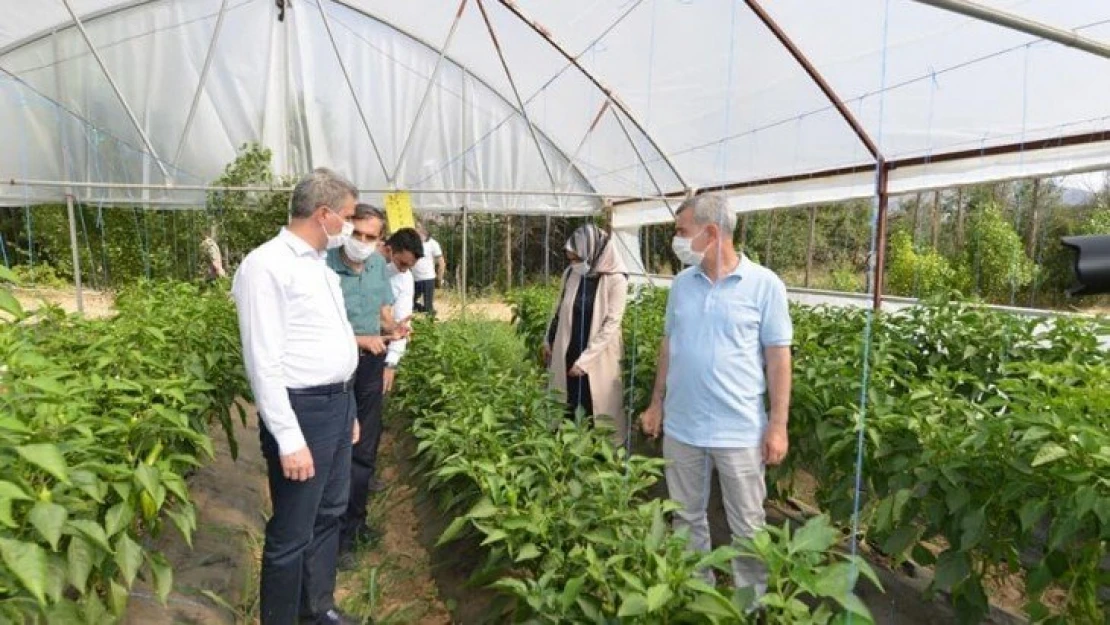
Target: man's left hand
x,y
387,379
356,434
775,444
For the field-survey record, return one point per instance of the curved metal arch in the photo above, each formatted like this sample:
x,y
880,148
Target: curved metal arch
x,y
135,4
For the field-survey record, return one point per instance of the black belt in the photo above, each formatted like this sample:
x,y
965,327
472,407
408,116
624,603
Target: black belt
x,y
325,389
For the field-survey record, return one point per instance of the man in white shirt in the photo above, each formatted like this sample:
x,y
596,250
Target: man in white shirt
x,y
428,273
403,250
300,356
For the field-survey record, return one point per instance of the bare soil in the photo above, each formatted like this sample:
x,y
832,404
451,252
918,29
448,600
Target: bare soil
x,y
96,303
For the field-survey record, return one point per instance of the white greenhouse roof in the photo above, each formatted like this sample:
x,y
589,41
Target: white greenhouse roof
x,y
623,99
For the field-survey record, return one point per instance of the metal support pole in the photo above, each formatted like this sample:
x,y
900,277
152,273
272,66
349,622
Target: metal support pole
x,y
998,17
354,95
200,83
76,253
115,88
880,237
466,237
810,243
643,163
547,248
428,91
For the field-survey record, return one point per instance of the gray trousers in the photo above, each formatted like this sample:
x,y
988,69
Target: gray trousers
x,y
743,489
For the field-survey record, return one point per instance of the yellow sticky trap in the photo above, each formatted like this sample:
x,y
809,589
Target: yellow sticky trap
x,y
398,211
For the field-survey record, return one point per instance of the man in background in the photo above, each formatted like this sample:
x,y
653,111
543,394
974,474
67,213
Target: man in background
x,y
368,303
428,273
403,250
726,345
210,252
300,353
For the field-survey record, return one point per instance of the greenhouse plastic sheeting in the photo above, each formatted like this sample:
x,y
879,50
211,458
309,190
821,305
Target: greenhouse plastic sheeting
x,y
700,94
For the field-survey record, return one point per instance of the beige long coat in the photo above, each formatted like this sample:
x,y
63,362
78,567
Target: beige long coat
x,y
601,360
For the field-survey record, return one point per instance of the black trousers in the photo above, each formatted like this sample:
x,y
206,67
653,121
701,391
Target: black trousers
x,y
364,454
424,290
302,536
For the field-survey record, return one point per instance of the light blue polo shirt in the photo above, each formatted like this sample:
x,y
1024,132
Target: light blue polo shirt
x,y
716,335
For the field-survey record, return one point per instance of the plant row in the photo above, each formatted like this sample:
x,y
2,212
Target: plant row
x,y
564,518
986,440
101,421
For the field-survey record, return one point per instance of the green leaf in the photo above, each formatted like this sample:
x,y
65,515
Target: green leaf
x,y
118,517
900,540
834,580
634,604
815,536
46,457
972,525
13,492
28,562
7,275
10,305
856,607
80,557
50,386
1031,513
952,568
658,596
452,530
720,558
494,535
129,557
49,519
484,508
117,597
163,576
147,477
93,531
1049,452
527,552
571,591
714,605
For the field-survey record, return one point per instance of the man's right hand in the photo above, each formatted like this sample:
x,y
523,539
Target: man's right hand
x,y
373,344
298,466
651,421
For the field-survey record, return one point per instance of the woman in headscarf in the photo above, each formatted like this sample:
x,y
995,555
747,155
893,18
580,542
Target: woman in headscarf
x,y
583,344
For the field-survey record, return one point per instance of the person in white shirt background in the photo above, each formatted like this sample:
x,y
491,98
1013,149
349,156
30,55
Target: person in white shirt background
x,y
403,249
428,273
300,356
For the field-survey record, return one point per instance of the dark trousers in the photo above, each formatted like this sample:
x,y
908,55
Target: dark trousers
x,y
364,454
424,290
302,536
578,396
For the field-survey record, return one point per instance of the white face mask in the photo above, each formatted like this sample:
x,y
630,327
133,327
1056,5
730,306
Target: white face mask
x,y
337,240
359,251
683,249
580,268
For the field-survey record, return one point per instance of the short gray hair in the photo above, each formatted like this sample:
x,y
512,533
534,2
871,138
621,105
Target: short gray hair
x,y
323,187
368,211
711,208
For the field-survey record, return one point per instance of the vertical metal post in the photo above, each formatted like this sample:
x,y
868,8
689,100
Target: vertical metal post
x,y
466,238
508,252
76,253
880,238
547,248
809,244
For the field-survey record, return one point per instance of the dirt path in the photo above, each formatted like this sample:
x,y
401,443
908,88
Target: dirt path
x,y
97,303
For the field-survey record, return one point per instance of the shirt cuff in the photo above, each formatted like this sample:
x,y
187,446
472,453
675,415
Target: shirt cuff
x,y
290,440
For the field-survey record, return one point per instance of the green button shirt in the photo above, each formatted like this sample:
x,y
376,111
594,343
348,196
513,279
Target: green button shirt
x,y
364,293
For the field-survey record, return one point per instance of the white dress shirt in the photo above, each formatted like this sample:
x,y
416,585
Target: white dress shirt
x,y
425,267
294,329
404,287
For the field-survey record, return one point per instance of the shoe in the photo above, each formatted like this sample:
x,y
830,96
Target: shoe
x,y
376,485
348,561
334,617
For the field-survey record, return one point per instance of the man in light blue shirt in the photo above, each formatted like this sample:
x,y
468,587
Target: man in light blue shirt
x,y
726,345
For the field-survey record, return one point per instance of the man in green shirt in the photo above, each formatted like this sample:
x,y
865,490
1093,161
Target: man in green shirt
x,y
368,298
